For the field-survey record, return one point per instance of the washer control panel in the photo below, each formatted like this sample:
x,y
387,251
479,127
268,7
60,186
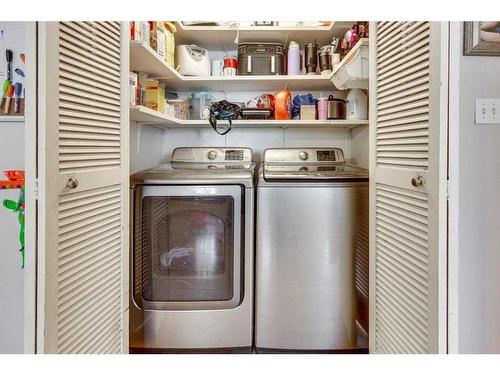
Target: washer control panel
x,y
326,155
308,155
235,155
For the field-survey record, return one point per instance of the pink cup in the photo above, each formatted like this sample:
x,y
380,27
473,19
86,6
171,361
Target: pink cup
x,y
322,108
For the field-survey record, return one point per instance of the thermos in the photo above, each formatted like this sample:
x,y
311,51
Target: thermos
x,y
311,58
324,62
293,67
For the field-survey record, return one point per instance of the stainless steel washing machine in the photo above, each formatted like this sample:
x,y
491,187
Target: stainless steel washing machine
x,y
192,253
311,220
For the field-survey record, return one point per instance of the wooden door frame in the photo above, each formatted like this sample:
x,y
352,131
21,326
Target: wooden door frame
x,y
453,185
48,160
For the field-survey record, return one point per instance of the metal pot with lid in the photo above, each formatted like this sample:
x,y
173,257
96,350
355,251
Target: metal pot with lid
x,y
336,108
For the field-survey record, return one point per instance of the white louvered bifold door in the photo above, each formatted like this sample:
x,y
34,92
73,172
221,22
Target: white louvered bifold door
x,y
408,113
83,178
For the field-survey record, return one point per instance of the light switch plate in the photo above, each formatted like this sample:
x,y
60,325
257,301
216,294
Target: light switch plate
x,y
487,111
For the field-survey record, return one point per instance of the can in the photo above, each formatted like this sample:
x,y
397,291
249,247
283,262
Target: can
x,y
230,66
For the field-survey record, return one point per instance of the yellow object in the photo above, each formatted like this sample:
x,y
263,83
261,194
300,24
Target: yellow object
x,y
155,95
170,29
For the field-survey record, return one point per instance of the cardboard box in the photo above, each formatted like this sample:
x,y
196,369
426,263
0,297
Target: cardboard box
x,y
170,43
139,30
308,112
133,84
178,108
157,37
155,95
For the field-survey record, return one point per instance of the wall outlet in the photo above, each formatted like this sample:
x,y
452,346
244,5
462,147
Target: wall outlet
x,y
487,111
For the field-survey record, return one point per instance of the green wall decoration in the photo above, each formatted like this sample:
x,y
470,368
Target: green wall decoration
x,y
16,181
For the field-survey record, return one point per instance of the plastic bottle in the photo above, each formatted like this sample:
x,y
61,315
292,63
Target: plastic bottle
x,y
293,59
357,105
322,107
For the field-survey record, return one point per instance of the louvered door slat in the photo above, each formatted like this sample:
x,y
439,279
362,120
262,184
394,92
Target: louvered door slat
x,y
404,52
80,56
107,43
89,101
396,81
71,33
84,89
86,65
105,32
405,189
401,45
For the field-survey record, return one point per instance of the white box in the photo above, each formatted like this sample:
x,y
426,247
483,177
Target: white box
x,y
133,88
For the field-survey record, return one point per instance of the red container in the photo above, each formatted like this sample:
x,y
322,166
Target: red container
x,y
230,66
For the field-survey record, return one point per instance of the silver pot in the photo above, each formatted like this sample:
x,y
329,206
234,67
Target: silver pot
x,y
336,109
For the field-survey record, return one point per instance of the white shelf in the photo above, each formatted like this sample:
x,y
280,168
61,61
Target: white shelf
x,y
11,118
252,83
221,38
148,116
303,124
144,59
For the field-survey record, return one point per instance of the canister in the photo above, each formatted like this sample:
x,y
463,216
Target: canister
x,y
336,108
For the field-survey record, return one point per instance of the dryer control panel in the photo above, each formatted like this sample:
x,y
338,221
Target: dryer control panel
x,y
212,155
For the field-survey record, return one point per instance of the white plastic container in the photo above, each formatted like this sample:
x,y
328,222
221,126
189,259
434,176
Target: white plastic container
x,y
357,105
352,71
200,102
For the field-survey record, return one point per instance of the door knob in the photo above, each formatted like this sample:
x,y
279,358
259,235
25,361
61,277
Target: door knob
x,y
72,183
417,181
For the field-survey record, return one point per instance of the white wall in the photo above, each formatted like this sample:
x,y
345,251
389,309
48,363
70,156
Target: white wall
x,y
11,275
478,232
258,139
146,147
11,157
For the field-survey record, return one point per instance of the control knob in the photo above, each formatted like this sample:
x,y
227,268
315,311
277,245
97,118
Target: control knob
x,y
303,155
212,155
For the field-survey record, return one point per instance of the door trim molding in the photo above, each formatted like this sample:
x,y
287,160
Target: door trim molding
x,y
455,52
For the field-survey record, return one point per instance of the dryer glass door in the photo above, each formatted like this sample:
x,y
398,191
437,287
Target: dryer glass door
x,y
189,251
